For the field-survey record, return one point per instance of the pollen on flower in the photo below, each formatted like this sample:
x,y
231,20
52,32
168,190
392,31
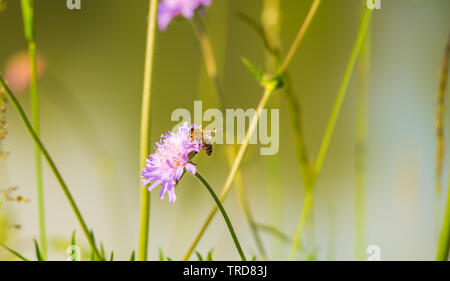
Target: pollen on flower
x,y
170,160
170,9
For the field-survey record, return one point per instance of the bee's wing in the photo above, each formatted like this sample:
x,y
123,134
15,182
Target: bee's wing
x,y
207,138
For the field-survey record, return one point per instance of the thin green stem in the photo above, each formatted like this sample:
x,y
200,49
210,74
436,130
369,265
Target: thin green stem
x,y
38,155
360,179
295,114
342,92
28,20
331,125
235,168
300,35
145,129
269,88
307,204
224,214
444,237
2,197
52,165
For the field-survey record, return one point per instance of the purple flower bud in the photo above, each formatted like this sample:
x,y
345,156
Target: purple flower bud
x,y
170,9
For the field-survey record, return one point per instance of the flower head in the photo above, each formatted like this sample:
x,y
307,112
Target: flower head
x,y
170,159
170,9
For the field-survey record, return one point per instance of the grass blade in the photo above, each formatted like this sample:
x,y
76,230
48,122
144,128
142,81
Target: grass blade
x,y
199,256
15,253
161,254
209,256
38,251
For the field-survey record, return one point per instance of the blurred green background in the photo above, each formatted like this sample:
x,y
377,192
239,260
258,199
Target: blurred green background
x,y
90,113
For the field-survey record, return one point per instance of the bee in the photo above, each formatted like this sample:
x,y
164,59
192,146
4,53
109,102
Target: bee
x,y
203,136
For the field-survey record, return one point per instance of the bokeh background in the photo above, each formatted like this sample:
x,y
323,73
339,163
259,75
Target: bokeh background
x,y
90,98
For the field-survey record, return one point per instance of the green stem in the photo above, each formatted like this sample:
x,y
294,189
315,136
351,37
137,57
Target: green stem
x,y
28,20
331,124
38,155
307,204
300,35
342,91
444,237
224,214
52,165
145,129
269,88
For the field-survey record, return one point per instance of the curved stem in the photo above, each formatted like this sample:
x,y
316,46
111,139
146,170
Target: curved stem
x,y
342,91
145,129
296,241
268,91
224,214
52,165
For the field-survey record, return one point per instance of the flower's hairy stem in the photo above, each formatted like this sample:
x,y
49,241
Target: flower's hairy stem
x,y
269,88
224,214
28,20
332,123
145,129
52,165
